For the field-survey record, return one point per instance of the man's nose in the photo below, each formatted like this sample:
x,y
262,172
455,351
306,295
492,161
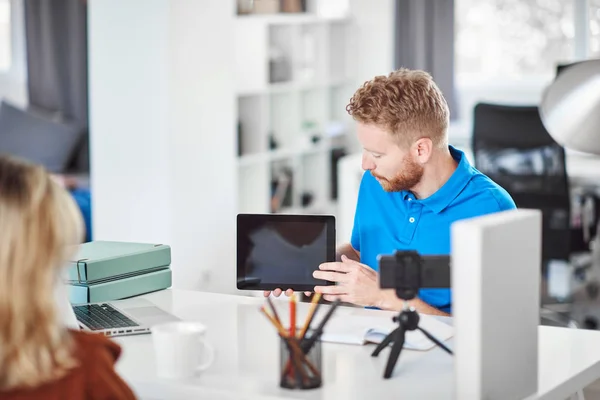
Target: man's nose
x,y
367,163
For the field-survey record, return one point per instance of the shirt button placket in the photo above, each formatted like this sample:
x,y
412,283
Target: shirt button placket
x,y
414,212
411,207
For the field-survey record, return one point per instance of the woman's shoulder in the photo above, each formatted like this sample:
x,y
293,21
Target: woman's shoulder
x,y
94,377
98,355
89,345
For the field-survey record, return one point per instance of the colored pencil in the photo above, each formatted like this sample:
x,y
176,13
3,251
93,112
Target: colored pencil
x,y
293,315
311,312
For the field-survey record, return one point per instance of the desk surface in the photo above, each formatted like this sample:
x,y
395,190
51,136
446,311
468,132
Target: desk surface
x,y
247,359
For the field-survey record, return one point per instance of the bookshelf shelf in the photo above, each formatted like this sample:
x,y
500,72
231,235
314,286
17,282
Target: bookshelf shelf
x,y
280,154
286,87
291,18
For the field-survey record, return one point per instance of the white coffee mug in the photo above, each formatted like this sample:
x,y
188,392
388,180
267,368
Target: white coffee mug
x,y
181,349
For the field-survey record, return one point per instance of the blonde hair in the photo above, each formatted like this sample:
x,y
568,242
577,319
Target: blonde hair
x,y
40,227
406,103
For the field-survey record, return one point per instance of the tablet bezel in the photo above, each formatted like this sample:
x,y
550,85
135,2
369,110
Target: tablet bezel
x,y
329,220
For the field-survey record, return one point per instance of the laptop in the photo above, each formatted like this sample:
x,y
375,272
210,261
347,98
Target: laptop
x,y
119,318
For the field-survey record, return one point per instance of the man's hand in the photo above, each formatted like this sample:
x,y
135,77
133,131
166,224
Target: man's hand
x,y
277,292
356,283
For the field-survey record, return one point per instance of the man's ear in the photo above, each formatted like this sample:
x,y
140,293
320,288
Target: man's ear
x,y
422,150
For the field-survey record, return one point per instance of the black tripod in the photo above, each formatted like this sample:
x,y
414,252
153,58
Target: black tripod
x,y
408,320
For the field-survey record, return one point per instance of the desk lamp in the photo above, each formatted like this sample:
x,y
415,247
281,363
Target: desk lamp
x,y
570,107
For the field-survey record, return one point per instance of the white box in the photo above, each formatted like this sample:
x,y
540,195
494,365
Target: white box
x,y
496,268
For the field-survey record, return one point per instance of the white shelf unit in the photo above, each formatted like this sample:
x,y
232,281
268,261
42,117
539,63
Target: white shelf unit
x,y
295,76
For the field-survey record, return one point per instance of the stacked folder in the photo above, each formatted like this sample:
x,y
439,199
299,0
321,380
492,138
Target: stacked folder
x,y
105,271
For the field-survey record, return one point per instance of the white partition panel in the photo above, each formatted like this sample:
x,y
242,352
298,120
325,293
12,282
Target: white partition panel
x,y
163,131
496,268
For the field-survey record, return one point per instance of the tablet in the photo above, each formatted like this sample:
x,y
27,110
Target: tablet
x,y
283,250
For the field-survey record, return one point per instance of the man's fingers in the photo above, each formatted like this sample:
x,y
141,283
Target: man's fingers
x,y
332,297
330,276
350,263
277,292
347,259
330,289
335,266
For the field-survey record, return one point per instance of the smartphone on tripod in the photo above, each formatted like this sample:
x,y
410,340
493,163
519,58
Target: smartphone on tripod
x,y
407,272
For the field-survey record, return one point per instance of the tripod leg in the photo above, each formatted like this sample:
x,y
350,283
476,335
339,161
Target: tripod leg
x,y
434,340
384,343
394,352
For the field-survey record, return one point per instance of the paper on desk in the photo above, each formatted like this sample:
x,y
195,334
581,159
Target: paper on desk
x,y
359,330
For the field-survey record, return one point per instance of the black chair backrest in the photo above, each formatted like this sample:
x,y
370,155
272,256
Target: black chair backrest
x,y
512,147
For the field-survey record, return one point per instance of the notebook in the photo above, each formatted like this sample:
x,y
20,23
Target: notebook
x,y
360,330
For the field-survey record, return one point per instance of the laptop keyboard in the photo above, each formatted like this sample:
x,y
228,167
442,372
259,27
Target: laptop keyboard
x,y
102,316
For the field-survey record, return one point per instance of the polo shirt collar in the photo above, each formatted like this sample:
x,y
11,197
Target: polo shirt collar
x,y
438,201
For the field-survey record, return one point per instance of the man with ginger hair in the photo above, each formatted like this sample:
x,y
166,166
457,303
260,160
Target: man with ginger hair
x,y
414,187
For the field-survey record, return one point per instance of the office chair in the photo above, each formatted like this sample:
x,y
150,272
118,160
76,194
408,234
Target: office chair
x,y
512,147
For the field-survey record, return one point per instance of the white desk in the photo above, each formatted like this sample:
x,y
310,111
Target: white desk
x,y
247,359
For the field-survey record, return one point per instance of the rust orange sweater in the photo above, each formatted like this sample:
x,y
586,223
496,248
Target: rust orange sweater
x,y
95,377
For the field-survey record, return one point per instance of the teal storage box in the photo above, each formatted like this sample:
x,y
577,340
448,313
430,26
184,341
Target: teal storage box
x,y
116,289
101,260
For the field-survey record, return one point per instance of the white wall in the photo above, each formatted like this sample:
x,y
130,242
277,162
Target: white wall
x,y
375,49
13,83
509,92
162,126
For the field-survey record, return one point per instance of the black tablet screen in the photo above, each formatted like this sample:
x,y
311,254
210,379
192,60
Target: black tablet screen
x,y
283,251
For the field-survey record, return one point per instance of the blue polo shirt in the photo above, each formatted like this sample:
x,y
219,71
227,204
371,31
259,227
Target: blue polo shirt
x,y
388,221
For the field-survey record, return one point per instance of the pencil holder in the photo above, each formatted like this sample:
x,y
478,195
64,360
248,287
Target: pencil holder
x,y
300,362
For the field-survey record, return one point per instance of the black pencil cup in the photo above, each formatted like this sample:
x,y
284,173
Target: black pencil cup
x,y
300,362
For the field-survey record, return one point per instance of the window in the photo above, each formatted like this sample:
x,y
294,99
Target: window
x,y
5,37
594,13
512,39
